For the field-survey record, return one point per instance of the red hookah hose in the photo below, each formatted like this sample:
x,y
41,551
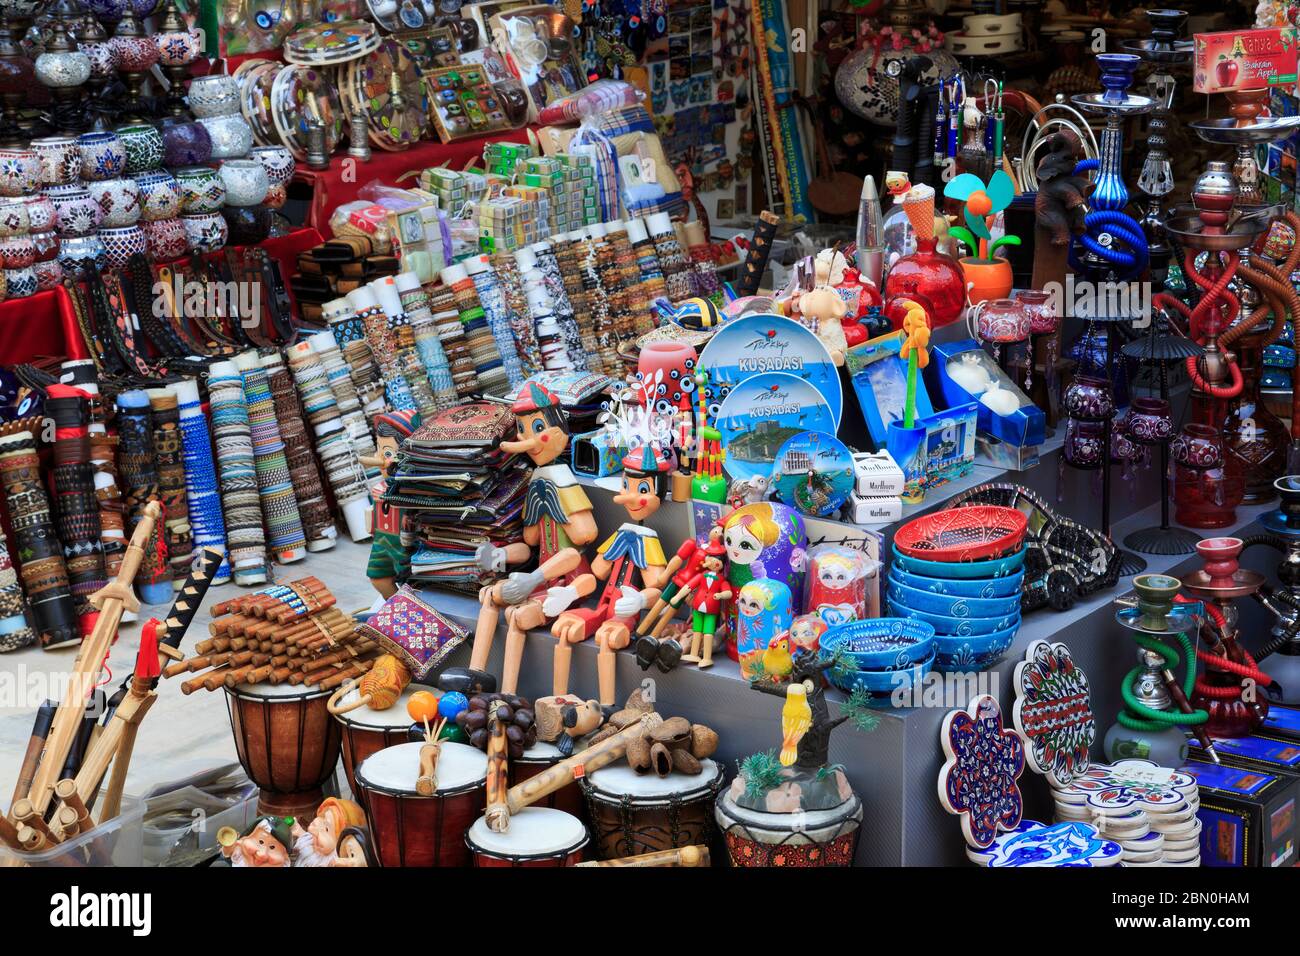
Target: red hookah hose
x,y
1218,662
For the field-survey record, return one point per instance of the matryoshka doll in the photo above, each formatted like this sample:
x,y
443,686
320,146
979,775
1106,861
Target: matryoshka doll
x,y
764,611
836,587
806,633
763,540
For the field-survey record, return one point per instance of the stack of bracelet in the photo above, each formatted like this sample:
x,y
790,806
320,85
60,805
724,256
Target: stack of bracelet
x,y
570,253
239,500
506,267
82,374
383,347
280,515
44,575
141,485
403,342
647,263
76,510
350,337
317,522
704,264
497,312
678,278
603,321
15,632
334,446
489,364
618,278
641,293
339,382
428,343
538,260
202,493
171,482
451,332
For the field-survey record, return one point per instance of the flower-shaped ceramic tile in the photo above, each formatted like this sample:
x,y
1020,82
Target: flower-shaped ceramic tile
x,y
983,762
1120,788
1053,712
1059,844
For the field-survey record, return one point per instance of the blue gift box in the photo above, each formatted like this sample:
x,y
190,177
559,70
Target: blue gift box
x,y
1024,427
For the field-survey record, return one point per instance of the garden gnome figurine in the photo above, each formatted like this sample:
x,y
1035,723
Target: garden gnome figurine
x,y
389,557
318,844
265,843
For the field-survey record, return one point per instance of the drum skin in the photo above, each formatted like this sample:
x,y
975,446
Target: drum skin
x,y
360,741
288,746
626,825
537,838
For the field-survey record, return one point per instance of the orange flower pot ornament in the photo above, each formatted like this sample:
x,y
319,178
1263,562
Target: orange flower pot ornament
x,y
987,275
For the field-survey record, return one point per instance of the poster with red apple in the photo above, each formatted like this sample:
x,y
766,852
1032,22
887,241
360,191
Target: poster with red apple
x,y
1244,59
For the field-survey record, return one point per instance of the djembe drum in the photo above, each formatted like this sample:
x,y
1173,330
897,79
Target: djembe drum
x,y
366,730
632,814
807,839
407,829
287,743
535,760
538,837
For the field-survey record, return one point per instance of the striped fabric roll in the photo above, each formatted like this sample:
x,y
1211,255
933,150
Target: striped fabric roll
x,y
350,336
403,342
280,516
317,522
678,275
15,632
238,474
202,491
76,508
570,254
451,333
140,485
171,481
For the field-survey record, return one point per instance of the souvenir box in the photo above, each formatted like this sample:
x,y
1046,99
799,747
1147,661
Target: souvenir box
x,y
951,366
878,475
597,454
1244,59
1283,722
870,510
233,28
1248,817
1272,754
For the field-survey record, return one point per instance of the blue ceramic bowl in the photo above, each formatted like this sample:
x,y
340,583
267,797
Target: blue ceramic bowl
x,y
993,568
883,682
961,587
950,605
957,626
972,653
882,643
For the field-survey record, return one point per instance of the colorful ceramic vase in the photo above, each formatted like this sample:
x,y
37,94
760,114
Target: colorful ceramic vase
x,y
121,243
144,147
118,200
77,213
205,232
60,159
165,239
160,195
102,156
20,172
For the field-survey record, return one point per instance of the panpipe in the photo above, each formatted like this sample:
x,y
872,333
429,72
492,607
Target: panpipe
x,y
290,633
202,492
44,574
383,347
280,517
238,474
141,485
338,378
76,509
428,342
334,445
308,486
171,481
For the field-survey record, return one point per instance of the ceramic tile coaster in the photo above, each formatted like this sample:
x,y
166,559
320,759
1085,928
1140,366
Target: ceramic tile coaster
x,y
1126,785
982,856
1069,844
1153,842
1053,712
979,780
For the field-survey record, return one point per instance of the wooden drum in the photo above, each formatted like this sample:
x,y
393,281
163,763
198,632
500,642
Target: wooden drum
x,y
538,837
632,814
541,756
407,829
366,731
807,839
287,742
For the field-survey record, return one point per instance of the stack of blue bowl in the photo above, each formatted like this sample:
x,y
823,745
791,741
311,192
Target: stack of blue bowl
x,y
973,606
889,653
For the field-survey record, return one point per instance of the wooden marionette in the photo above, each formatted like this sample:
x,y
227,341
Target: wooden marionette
x,y
709,590
389,557
557,523
682,569
632,548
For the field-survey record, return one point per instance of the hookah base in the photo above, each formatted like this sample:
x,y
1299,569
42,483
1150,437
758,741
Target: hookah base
x,y
1130,564
1232,718
1166,541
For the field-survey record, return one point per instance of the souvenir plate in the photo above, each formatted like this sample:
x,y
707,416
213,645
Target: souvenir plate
x,y
813,472
299,93
762,343
978,781
761,413
369,86
1053,712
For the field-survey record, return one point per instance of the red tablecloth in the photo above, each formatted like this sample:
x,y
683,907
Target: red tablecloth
x,y
343,180
44,324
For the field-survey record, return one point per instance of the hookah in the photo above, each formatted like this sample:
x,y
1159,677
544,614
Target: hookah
x,y
1166,52
1114,248
1156,703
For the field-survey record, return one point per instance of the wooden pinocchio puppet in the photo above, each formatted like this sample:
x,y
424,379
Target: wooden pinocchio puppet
x,y
389,557
557,522
684,566
709,590
631,549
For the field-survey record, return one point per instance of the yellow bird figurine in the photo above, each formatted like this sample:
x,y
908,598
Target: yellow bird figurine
x,y
796,718
777,662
